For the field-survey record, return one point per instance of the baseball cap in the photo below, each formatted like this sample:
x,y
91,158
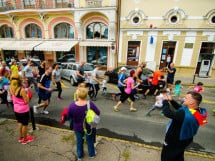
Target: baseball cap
x,y
123,68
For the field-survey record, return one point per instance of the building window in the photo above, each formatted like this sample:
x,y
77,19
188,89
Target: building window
x,y
64,30
97,30
2,3
136,20
97,55
62,3
173,19
33,31
6,32
213,19
29,3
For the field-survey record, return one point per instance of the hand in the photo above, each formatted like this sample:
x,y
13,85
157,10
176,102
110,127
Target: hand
x,y
49,89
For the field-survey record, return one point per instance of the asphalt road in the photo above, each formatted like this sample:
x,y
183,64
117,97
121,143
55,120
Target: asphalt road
x,y
133,126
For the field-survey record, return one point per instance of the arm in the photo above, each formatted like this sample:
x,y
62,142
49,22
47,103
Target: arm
x,y
42,87
169,70
94,108
53,79
175,115
138,71
24,95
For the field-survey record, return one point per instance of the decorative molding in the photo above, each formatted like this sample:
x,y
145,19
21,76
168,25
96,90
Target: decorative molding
x,y
175,11
136,12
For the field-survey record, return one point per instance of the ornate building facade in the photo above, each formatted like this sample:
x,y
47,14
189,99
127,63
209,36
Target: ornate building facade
x,y
160,32
50,29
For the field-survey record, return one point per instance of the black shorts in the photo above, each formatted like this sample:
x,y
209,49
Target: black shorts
x,y
22,118
44,96
125,96
170,80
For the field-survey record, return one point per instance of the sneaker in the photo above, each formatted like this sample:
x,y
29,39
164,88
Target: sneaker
x,y
132,109
79,159
92,157
144,96
28,139
148,114
59,98
44,112
20,139
115,108
35,109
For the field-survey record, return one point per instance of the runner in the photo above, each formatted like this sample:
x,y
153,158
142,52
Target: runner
x,y
44,91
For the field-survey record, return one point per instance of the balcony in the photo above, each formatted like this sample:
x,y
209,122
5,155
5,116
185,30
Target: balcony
x,y
35,4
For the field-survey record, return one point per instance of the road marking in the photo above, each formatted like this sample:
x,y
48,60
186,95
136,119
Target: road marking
x,y
208,102
63,85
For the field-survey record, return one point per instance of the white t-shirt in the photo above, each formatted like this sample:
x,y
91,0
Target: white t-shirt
x,y
28,71
94,74
159,102
104,83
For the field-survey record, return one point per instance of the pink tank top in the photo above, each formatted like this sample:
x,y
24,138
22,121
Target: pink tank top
x,y
19,105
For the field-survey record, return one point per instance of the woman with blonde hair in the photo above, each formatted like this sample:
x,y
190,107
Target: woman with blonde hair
x,y
77,112
21,107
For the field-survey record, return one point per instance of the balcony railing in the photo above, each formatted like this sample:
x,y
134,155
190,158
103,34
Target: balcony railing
x,y
37,4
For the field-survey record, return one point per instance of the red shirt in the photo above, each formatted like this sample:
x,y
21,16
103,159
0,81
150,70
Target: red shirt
x,y
156,75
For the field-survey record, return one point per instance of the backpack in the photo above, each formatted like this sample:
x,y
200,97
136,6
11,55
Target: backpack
x,y
91,117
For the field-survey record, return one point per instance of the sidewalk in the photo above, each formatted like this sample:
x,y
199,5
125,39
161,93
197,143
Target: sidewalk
x,y
52,144
208,82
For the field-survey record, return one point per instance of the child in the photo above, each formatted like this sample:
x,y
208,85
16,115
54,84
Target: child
x,y
158,103
177,89
199,87
104,85
80,85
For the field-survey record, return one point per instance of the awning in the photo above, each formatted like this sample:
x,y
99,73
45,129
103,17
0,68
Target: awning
x,y
3,43
95,43
56,46
21,45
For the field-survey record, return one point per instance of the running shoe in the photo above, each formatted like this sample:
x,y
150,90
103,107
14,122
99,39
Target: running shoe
x,y
35,109
28,139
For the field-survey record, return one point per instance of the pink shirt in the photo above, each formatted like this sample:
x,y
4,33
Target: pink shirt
x,y
130,82
197,89
19,105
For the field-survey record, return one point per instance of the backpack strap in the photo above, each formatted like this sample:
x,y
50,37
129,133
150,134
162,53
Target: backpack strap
x,y
88,105
84,123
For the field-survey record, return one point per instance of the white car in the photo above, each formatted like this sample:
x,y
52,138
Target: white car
x,y
69,70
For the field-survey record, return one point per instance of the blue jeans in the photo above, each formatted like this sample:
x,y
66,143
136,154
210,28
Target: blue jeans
x,y
90,143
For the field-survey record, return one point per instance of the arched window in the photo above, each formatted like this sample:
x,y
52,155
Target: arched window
x,y
33,31
64,30
6,32
97,30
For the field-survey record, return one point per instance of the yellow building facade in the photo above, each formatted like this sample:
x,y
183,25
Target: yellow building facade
x,y
160,32
50,29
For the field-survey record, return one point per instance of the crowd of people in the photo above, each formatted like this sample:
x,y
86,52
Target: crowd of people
x,y
15,90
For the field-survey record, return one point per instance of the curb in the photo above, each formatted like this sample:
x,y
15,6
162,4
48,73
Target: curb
x,y
202,155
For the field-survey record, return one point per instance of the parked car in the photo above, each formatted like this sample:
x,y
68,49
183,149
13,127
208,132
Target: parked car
x,y
67,58
68,71
35,61
112,76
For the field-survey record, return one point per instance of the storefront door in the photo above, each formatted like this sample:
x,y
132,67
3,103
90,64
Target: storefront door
x,y
205,60
167,53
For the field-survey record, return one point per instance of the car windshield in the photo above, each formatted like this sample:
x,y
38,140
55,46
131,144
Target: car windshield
x,y
88,67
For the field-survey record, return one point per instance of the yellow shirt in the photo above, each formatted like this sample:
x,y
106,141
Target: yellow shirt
x,y
14,68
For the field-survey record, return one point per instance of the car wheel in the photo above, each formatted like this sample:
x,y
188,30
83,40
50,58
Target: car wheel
x,y
72,81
